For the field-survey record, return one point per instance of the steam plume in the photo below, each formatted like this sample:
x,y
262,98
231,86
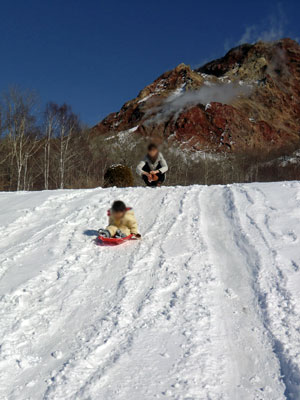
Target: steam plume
x,y
176,103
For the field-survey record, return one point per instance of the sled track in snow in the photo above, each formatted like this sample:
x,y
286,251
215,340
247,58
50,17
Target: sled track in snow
x,y
273,285
164,283
237,265
206,306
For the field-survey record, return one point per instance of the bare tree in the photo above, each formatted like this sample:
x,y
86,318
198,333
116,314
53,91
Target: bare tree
x,y
21,131
68,126
5,153
50,130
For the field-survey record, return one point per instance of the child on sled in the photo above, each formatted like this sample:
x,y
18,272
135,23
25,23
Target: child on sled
x,y
121,223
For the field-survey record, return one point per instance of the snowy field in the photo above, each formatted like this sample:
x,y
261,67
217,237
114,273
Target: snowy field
x,y
206,306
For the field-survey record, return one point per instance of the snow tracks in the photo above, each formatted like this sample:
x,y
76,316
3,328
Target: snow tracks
x,y
206,306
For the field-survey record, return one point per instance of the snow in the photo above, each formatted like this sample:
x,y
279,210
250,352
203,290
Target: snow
x,y
122,136
292,159
205,76
132,129
146,98
176,93
206,306
224,79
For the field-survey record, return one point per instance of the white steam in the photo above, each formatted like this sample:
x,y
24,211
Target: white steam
x,y
269,29
176,103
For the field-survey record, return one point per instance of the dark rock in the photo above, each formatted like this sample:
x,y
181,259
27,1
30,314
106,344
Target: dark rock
x,y
118,175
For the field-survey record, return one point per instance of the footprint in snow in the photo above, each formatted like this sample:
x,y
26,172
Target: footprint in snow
x,y
230,293
57,355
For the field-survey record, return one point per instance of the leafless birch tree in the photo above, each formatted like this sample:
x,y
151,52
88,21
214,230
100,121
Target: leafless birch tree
x,y
19,126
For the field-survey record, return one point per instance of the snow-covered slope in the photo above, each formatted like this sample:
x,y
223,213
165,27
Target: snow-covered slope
x,y
206,306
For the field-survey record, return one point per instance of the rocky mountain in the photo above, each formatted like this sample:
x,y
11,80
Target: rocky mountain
x,y
246,101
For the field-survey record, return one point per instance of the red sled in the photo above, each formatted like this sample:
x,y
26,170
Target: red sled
x,y
103,241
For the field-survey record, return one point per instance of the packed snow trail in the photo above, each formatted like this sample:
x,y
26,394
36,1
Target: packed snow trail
x,y
206,306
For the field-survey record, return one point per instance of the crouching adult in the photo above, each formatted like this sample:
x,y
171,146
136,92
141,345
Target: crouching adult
x,y
153,168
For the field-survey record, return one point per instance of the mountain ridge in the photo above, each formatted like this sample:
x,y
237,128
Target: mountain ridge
x,y
263,116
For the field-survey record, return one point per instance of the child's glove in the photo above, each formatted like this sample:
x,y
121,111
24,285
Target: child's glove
x,y
137,236
104,233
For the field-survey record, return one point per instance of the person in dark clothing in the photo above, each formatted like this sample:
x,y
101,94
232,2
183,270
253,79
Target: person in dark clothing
x,y
153,168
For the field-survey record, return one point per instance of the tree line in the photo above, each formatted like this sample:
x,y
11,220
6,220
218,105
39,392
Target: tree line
x,y
52,149
46,149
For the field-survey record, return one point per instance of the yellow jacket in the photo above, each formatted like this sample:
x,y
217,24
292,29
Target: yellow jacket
x,y
127,224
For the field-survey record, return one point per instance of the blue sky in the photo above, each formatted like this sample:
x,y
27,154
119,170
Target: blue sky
x,y
96,55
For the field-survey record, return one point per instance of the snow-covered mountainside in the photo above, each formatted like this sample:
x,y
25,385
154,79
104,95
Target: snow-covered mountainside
x,y
206,306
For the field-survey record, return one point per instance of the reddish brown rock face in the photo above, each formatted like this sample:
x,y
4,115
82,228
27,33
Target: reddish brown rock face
x,y
266,118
